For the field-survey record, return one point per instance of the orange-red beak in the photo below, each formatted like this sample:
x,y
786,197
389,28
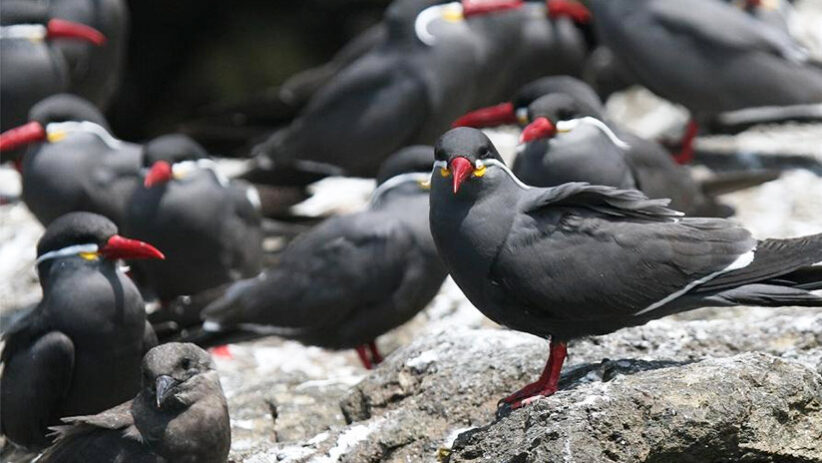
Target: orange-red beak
x,y
570,9
490,116
539,129
161,172
21,136
461,169
62,29
481,7
118,247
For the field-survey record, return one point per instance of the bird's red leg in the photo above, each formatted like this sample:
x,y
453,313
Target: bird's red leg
x,y
363,354
376,358
685,155
548,381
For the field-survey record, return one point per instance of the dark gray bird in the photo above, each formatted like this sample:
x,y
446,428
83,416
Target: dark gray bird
x,y
590,151
208,226
590,148
95,72
607,75
180,415
71,162
79,350
434,63
351,278
707,56
32,65
578,259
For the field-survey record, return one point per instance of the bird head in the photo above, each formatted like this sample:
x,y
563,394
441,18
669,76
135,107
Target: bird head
x,y
580,100
32,21
462,155
52,119
544,113
90,237
172,157
408,169
174,373
453,12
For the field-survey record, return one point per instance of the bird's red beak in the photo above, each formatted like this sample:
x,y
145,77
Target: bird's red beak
x,y
481,7
539,129
118,247
461,169
159,173
62,29
490,116
569,9
21,136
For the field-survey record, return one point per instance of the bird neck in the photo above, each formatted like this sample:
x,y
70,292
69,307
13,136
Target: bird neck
x,y
470,227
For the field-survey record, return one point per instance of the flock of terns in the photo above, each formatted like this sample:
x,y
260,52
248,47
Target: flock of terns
x,y
591,229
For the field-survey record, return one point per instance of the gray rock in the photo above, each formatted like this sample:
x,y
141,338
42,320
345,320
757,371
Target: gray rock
x,y
439,386
751,407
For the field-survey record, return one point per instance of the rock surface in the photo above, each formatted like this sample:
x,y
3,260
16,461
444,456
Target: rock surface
x,y
751,407
440,387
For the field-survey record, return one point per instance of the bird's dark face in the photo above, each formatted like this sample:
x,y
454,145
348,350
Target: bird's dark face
x,y
52,119
461,155
171,157
544,113
90,237
173,371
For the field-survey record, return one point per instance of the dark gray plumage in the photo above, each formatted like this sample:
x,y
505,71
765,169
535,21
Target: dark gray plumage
x,y
590,152
351,278
180,415
75,166
591,148
579,259
424,73
79,350
95,72
209,227
706,55
32,64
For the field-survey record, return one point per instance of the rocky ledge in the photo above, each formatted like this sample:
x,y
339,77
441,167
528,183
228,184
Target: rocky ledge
x,y
672,390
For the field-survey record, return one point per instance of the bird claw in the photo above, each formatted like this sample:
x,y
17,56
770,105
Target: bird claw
x,y
524,396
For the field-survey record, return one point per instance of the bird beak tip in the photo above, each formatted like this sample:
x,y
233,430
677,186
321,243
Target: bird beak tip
x,y
161,172
61,28
118,247
21,136
162,388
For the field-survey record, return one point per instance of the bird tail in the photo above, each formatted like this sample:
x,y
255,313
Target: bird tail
x,y
783,272
729,182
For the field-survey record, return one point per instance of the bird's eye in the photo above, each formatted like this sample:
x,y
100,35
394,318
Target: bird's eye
x,y
484,151
185,364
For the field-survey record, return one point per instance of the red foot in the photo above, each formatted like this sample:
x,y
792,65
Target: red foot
x,y
369,355
548,381
376,358
364,358
221,351
685,155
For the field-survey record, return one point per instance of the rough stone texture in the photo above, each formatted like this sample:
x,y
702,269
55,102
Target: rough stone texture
x,y
752,407
427,393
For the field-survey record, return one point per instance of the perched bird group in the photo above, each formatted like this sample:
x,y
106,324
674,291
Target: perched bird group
x,y
593,228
